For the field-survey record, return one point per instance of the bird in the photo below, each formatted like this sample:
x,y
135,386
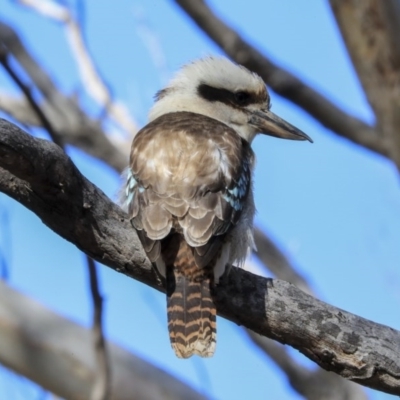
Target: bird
x,y
189,191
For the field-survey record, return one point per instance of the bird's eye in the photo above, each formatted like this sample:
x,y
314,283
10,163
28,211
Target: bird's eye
x,y
241,97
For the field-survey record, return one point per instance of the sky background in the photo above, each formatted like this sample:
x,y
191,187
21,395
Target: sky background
x,y
333,207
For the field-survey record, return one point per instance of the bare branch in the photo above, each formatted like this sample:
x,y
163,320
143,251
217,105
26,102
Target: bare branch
x,y
367,29
391,10
312,384
41,177
90,77
18,108
64,114
101,387
315,384
281,81
56,353
29,97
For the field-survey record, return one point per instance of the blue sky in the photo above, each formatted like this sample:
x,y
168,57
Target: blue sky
x,y
332,206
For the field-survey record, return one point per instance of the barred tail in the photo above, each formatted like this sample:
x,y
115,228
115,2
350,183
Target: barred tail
x,y
191,309
191,318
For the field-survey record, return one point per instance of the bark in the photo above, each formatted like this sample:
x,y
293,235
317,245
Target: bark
x,y
40,176
370,29
311,383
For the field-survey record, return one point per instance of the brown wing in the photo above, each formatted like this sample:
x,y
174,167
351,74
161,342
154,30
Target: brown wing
x,y
190,174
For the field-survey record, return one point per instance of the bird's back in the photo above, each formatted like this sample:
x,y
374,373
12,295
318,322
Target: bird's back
x,y
184,201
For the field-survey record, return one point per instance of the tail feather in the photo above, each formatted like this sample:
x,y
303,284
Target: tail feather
x,y
191,310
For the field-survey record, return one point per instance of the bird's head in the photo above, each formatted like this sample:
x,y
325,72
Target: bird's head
x,y
227,92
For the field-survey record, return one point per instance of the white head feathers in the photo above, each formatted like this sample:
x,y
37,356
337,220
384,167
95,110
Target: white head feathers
x,y
182,92
218,72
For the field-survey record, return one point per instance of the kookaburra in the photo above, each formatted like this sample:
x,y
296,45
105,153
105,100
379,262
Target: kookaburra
x,y
189,187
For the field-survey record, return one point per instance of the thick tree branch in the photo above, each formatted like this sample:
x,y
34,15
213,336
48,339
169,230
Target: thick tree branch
x,y
367,28
45,180
281,81
57,354
312,384
391,12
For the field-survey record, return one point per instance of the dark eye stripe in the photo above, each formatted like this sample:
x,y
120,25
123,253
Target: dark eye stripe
x,y
238,99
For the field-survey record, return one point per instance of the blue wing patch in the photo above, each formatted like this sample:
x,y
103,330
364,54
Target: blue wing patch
x,y
236,193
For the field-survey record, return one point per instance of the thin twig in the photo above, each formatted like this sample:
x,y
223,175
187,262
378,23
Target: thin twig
x,y
101,387
64,113
56,354
55,136
91,78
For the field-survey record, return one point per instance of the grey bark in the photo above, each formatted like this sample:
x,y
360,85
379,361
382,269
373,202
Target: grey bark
x,y
370,32
311,383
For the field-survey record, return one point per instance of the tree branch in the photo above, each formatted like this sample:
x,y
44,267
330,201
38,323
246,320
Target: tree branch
x,y
57,354
44,179
101,387
40,114
281,81
18,108
367,28
90,76
64,114
312,384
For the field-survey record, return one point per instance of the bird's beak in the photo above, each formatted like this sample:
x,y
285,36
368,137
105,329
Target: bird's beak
x,y
270,124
